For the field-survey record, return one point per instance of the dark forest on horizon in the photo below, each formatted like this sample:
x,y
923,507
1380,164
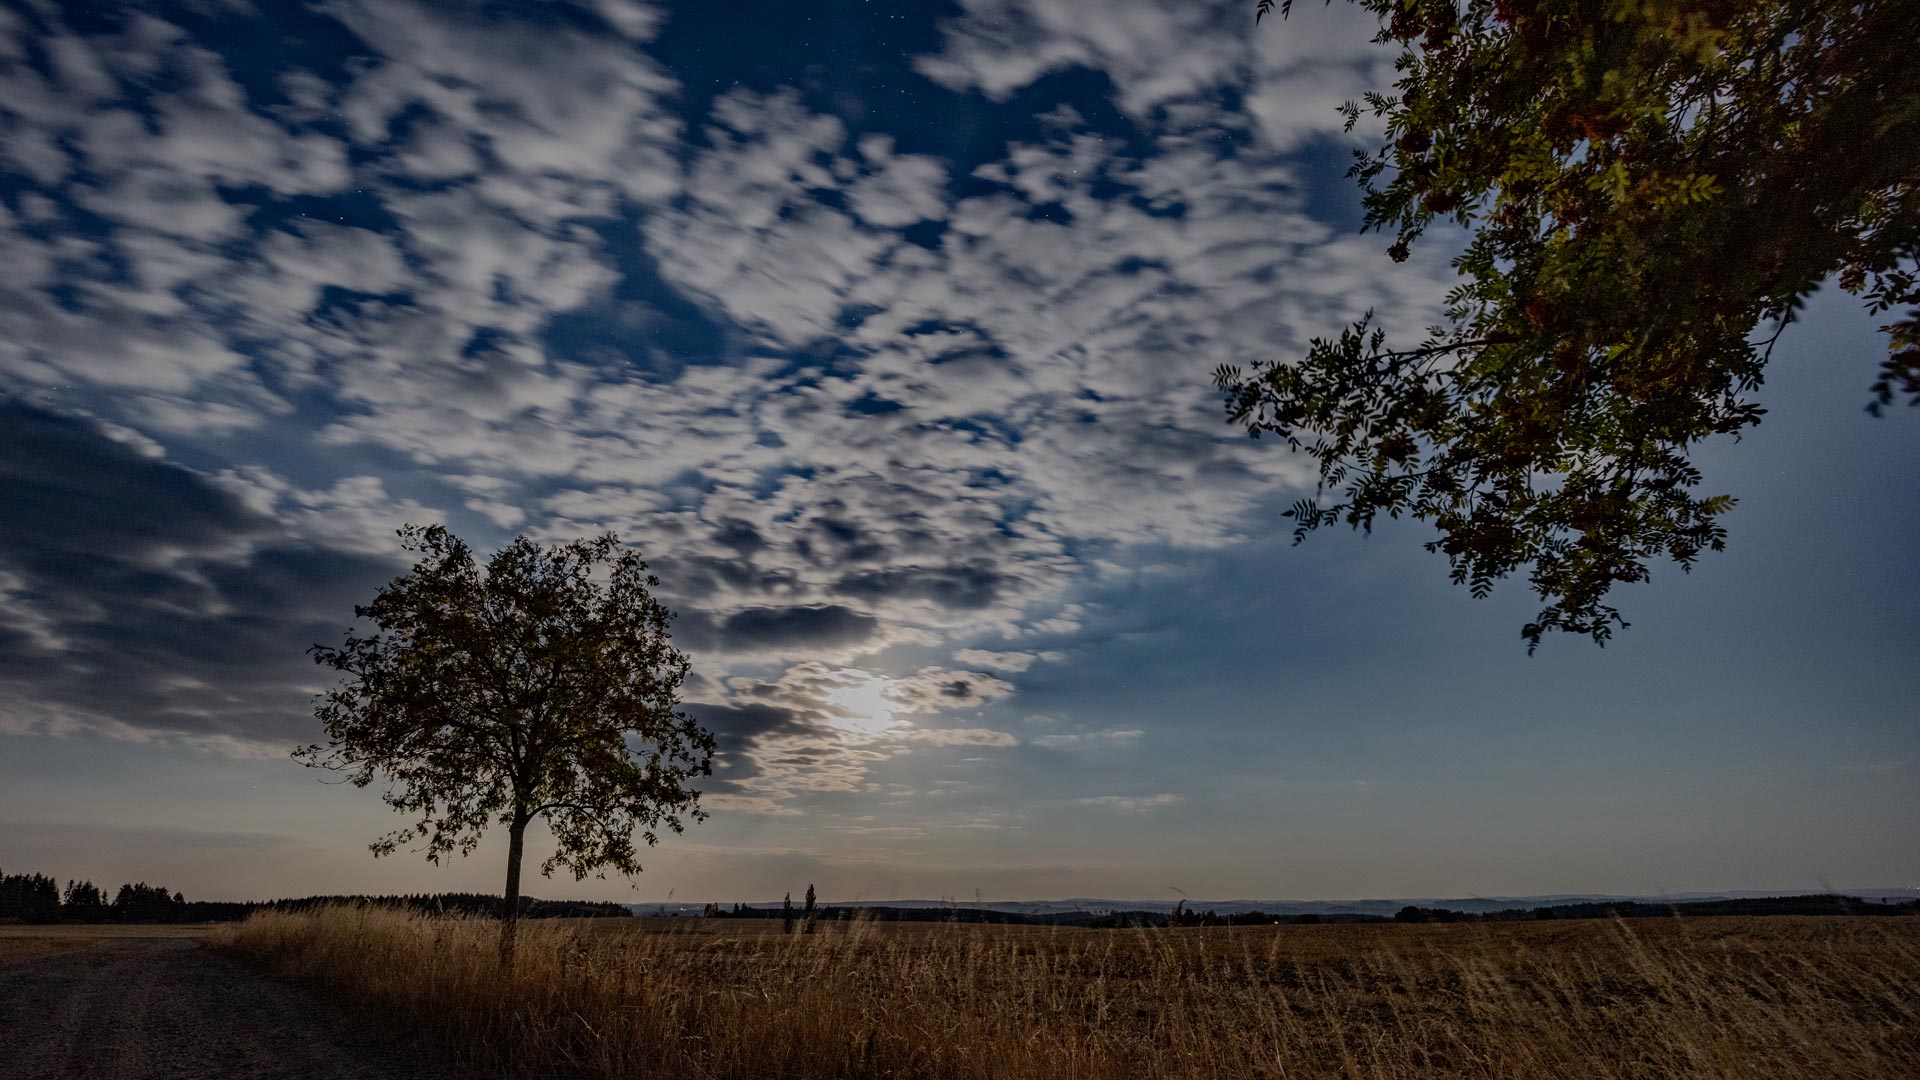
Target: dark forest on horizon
x,y
39,898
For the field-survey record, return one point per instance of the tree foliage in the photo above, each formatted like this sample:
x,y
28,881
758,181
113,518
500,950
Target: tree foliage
x,y
141,902
84,902
38,898
543,686
29,898
1652,190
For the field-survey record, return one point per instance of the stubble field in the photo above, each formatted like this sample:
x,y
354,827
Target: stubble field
x,y
699,999
20,943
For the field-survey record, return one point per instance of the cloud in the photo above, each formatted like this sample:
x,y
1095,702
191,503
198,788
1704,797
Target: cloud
x,y
1000,46
824,627
898,189
821,728
900,832
1108,736
963,737
71,486
127,316
150,601
498,267
964,587
826,691
735,724
1006,661
1133,804
1163,59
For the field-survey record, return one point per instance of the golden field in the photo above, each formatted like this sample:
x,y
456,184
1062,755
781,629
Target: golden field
x,y
691,999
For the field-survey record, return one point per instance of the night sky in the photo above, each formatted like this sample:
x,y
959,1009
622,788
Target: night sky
x,y
885,331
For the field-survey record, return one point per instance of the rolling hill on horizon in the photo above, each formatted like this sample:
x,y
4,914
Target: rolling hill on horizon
x,y
1370,906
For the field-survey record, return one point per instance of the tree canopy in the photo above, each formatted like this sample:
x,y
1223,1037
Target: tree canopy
x,y
1652,189
543,686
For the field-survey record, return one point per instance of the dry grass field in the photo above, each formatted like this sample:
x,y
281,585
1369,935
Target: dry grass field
x,y
694,999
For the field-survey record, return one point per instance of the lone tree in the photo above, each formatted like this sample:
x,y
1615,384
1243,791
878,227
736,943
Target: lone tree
x,y
1652,190
542,686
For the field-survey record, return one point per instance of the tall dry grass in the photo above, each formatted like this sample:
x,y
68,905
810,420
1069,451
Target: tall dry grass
x,y
1778,997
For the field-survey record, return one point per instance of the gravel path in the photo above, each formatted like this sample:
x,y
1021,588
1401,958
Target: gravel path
x,y
158,1009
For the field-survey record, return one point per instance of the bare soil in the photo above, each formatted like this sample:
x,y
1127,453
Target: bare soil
x,y
109,1007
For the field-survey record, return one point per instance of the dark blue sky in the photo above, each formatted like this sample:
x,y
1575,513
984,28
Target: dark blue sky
x,y
885,331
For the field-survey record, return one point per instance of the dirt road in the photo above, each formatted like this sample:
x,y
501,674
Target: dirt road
x,y
166,1009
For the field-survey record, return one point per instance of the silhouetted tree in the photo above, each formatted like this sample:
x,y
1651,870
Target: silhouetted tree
x,y
84,902
1413,914
811,911
1645,185
143,903
786,913
33,898
542,686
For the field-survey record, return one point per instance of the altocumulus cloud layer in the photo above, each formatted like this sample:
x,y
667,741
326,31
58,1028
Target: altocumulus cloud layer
x,y
881,344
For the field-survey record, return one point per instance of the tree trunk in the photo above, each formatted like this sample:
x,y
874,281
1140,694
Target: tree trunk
x,y
510,917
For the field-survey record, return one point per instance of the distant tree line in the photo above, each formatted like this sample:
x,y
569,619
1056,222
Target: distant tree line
x,y
1811,904
792,919
465,904
38,898
802,918
1180,916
